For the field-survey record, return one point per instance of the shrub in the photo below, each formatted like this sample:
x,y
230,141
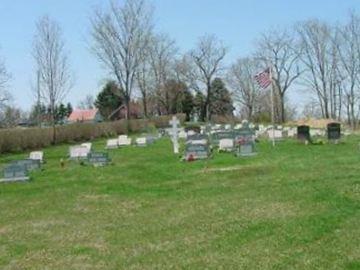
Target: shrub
x,y
17,140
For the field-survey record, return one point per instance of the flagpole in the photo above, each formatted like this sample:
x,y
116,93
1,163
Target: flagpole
x,y
272,105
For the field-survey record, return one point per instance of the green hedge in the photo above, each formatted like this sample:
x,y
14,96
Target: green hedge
x,y
23,139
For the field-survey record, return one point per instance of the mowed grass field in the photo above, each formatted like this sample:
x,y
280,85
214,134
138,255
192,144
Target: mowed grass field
x,y
292,207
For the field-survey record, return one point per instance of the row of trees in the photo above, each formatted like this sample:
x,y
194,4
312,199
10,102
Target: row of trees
x,y
315,57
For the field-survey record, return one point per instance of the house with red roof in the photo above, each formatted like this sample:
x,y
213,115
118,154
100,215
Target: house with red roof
x,y
85,116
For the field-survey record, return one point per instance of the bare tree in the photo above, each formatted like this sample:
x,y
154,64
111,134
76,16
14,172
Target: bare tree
x,y
162,56
52,65
320,58
87,103
208,57
244,88
119,36
348,49
279,50
4,79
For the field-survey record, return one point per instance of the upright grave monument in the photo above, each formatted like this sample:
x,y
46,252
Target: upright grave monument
x,y
245,143
175,133
334,132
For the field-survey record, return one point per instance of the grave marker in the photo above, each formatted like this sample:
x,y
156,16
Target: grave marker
x,y
175,134
334,132
98,158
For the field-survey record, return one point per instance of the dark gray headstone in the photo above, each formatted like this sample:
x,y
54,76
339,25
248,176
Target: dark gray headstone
x,y
334,131
303,133
98,158
245,144
196,151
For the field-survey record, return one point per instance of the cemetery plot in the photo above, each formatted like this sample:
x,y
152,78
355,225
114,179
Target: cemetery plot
x,y
98,159
196,152
79,152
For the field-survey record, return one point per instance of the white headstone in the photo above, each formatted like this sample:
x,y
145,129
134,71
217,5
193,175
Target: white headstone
x,y
112,144
37,155
226,144
175,133
124,140
182,135
191,133
275,134
141,141
88,145
79,151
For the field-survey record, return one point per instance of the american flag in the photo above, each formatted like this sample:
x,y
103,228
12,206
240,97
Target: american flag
x,y
263,78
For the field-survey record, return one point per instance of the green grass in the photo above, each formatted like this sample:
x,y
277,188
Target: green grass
x,y
292,207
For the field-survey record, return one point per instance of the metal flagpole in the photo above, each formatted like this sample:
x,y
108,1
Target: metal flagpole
x,y
272,105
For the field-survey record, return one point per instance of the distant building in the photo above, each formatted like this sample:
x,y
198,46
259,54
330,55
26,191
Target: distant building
x,y
85,116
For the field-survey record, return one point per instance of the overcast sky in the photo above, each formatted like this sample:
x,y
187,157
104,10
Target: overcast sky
x,y
236,22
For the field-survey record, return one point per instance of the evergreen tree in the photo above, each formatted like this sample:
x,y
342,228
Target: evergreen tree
x,y
107,100
187,104
199,105
69,109
220,99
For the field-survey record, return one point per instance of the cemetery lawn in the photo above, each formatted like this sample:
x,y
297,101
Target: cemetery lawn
x,y
292,207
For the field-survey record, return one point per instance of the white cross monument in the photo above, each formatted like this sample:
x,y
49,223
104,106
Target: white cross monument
x,y
175,134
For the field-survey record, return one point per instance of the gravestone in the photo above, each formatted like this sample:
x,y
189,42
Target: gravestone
x,y
124,140
245,144
275,134
15,173
334,132
196,152
28,164
37,155
141,141
226,145
225,134
175,133
88,145
303,133
197,139
183,135
79,152
112,144
98,158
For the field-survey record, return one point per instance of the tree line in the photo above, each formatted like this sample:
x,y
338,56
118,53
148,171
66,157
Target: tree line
x,y
313,57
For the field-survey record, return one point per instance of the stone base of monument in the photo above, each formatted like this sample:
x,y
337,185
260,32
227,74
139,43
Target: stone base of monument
x,y
15,179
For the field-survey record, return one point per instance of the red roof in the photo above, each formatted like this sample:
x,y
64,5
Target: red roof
x,y
82,115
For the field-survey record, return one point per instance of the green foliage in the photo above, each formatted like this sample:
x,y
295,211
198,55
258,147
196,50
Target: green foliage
x,y
17,140
108,100
220,99
199,105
